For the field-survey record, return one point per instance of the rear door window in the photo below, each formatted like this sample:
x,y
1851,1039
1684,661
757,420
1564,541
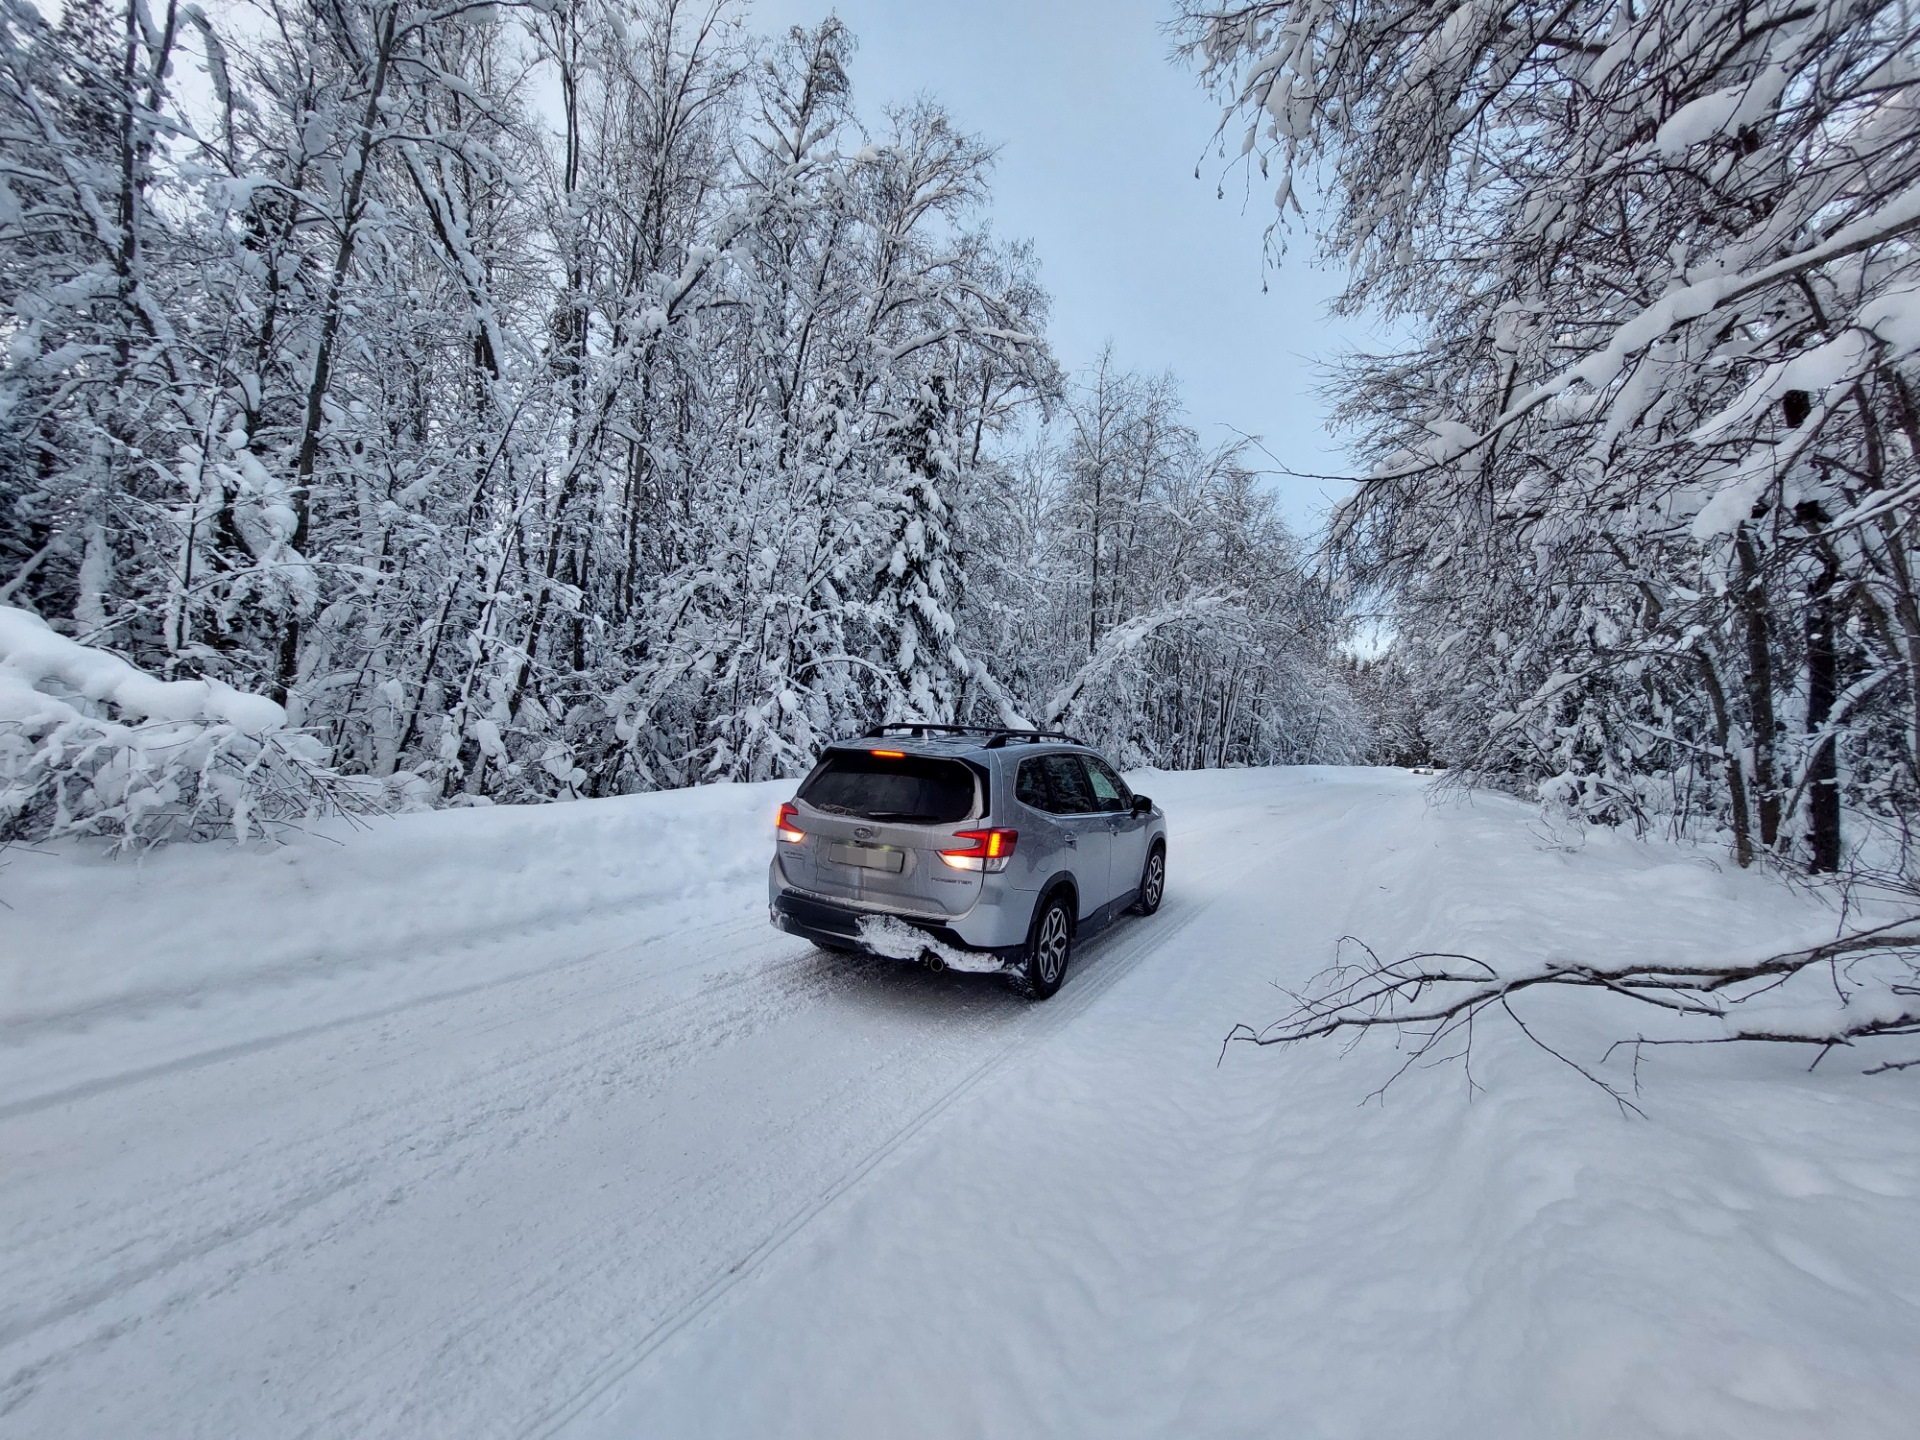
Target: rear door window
x,y
1057,784
1030,786
1067,779
907,790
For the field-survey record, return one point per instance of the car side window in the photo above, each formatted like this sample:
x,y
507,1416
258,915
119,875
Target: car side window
x,y
1108,788
1030,786
1068,786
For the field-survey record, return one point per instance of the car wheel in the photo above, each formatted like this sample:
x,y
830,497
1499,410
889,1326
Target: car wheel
x,y
1049,948
1153,881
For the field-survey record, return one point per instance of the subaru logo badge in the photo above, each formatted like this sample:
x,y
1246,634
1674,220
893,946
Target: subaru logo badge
x,y
864,832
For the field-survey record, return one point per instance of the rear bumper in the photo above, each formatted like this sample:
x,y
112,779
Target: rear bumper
x,y
826,923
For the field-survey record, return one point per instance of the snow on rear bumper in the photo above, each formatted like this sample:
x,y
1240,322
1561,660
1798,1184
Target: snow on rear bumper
x,y
997,920
891,936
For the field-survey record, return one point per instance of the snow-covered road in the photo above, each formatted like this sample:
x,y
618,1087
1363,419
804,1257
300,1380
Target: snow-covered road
x,y
518,1123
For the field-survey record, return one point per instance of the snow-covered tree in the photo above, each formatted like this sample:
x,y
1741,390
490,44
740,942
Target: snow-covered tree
x,y
533,400
917,586
1643,492
1141,589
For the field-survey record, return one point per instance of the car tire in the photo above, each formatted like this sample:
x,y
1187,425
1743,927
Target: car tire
x,y
1153,881
1049,948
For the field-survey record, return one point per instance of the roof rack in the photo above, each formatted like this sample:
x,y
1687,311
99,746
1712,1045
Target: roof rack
x,y
997,735
1031,737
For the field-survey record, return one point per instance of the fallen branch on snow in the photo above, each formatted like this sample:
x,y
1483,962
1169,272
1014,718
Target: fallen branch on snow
x,y
1868,988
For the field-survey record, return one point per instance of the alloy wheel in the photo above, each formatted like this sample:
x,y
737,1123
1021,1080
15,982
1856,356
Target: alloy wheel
x,y
1050,954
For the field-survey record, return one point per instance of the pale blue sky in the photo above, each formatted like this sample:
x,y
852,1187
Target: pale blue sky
x,y
1099,133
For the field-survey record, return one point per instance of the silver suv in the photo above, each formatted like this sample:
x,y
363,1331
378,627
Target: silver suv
x,y
967,847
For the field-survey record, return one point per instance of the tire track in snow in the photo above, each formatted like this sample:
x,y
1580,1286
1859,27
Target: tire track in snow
x,y
1116,955
198,1059
140,1269
723,1009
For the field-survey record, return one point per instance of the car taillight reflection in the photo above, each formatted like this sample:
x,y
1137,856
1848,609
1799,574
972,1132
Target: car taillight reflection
x,y
987,850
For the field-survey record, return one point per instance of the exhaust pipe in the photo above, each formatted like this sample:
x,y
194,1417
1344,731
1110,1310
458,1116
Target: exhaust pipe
x,y
931,959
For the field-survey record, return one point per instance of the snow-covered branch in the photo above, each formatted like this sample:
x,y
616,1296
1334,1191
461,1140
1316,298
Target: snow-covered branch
x,y
89,745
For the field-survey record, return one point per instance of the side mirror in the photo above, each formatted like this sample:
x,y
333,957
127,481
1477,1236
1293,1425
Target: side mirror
x,y
1142,805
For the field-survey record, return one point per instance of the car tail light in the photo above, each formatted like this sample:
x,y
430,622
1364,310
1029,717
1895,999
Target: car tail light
x,y
788,826
889,754
987,850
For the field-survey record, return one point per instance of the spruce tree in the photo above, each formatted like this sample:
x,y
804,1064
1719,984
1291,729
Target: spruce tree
x,y
919,583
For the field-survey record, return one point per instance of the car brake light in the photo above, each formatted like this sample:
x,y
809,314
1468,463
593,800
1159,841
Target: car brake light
x,y
787,826
988,850
889,754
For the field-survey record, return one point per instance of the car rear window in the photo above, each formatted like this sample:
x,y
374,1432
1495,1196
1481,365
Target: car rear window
x,y
909,788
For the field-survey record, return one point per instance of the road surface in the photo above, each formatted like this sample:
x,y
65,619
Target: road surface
x,y
656,1169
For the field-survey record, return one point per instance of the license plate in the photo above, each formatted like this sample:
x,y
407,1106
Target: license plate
x,y
868,857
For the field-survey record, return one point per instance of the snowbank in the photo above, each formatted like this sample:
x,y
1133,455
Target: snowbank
x,y
86,931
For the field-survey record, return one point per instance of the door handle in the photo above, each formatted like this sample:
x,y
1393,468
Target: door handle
x,y
1073,841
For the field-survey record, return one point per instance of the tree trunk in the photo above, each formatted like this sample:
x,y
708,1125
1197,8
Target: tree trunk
x,y
1736,773
1823,771
1759,636
287,663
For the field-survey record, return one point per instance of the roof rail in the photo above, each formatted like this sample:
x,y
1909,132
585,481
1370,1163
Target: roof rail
x,y
997,735
1029,737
